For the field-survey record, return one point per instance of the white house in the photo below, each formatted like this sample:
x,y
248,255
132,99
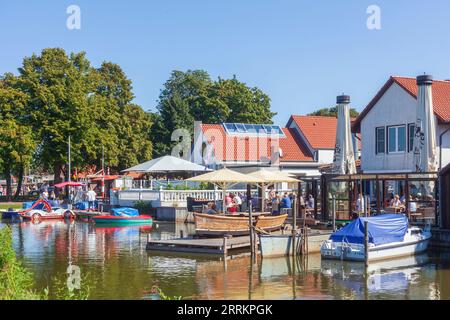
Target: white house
x,y
387,125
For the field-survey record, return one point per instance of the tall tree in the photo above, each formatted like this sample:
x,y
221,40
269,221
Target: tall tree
x,y
192,95
59,87
17,143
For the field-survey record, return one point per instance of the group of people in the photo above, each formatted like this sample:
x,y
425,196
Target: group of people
x,y
74,196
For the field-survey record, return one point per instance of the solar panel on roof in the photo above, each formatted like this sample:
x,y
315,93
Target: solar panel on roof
x,y
259,129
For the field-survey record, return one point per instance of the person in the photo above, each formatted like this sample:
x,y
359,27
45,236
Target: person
x,y
238,202
52,195
275,203
286,202
412,205
211,208
360,204
45,194
310,204
1,190
232,206
396,203
91,197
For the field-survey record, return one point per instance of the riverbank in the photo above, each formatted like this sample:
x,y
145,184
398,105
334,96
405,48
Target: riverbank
x,y
13,205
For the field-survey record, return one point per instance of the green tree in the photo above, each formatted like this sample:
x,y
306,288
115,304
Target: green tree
x,y
332,112
59,87
192,95
17,143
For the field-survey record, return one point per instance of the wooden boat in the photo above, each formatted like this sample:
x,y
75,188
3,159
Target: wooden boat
x,y
122,220
219,225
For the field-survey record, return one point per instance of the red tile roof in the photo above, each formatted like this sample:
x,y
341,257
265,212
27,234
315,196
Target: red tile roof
x,y
441,97
251,148
318,130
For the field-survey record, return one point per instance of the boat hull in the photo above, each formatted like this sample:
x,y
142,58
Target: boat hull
x,y
215,225
278,245
390,251
117,220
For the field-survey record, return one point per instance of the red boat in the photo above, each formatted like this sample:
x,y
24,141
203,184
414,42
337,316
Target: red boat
x,y
122,220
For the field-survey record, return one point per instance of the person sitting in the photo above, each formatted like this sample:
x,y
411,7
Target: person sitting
x,y
211,208
232,208
397,204
286,202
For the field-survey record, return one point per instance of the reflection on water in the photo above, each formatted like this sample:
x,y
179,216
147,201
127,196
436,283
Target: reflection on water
x,y
115,264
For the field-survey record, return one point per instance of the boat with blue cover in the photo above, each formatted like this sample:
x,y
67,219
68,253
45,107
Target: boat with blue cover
x,y
123,216
389,237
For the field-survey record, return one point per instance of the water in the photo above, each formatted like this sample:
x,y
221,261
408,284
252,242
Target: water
x,y
115,265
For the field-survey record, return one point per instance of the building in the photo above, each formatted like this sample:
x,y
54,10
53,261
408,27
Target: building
x,y
387,125
301,147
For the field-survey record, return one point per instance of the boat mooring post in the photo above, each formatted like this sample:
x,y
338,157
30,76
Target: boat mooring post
x,y
334,213
294,227
250,220
366,243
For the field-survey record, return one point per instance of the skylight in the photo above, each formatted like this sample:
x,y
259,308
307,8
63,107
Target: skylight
x,y
250,129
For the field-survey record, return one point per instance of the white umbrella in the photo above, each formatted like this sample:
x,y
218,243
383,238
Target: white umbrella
x,y
223,178
167,164
425,155
344,157
271,177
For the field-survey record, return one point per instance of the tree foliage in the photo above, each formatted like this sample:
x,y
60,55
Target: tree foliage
x,y
192,95
57,95
332,112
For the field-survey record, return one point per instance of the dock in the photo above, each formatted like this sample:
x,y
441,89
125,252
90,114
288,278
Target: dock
x,y
209,245
83,214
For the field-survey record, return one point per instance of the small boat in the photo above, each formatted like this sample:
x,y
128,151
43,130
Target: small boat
x,y
219,225
10,214
389,237
281,244
42,210
123,216
122,220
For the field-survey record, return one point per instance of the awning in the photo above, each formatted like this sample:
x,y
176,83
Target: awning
x,y
167,164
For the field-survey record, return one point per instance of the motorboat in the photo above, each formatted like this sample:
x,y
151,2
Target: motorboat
x,y
389,236
123,216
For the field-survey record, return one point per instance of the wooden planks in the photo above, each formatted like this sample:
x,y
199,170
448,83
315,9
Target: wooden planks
x,y
212,246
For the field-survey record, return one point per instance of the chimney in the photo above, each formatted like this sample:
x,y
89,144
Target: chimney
x,y
343,99
425,79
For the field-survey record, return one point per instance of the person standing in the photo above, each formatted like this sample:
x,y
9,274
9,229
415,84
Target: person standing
x,y
92,196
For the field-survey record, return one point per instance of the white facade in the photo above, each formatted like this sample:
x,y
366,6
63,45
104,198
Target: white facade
x,y
395,108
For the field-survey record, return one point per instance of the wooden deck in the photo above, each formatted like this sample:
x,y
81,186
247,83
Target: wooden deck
x,y
211,245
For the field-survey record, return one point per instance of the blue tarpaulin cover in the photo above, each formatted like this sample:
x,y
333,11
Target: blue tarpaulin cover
x,y
125,212
383,229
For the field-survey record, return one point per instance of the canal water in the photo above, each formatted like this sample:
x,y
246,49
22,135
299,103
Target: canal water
x,y
115,265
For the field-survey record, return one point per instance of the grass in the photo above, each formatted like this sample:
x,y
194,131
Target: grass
x,y
7,205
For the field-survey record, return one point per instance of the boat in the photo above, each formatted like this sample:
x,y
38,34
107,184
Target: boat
x,y
220,225
10,214
123,216
281,244
122,220
389,237
42,210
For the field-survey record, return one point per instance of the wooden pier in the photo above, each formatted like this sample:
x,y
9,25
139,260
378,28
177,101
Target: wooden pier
x,y
210,245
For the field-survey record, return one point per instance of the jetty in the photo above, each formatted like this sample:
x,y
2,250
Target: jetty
x,y
207,245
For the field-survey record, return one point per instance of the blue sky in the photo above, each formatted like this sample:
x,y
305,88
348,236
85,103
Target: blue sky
x,y
302,53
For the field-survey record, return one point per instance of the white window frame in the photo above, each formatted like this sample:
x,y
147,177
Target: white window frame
x,y
396,139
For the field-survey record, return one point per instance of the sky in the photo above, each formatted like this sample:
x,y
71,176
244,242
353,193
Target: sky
x,y
301,53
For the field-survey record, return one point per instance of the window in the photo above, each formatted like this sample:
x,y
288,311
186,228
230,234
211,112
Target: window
x,y
411,128
380,145
397,139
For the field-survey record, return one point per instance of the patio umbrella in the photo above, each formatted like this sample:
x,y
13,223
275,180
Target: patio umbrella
x,y
425,155
167,164
271,177
344,157
69,184
224,178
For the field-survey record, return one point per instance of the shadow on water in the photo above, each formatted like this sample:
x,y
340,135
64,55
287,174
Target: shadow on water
x,y
116,266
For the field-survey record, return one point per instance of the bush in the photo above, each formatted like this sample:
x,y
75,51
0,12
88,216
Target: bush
x,y
144,207
16,282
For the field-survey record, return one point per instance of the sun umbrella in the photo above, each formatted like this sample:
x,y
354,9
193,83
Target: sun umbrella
x,y
69,184
223,178
425,155
271,177
344,157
